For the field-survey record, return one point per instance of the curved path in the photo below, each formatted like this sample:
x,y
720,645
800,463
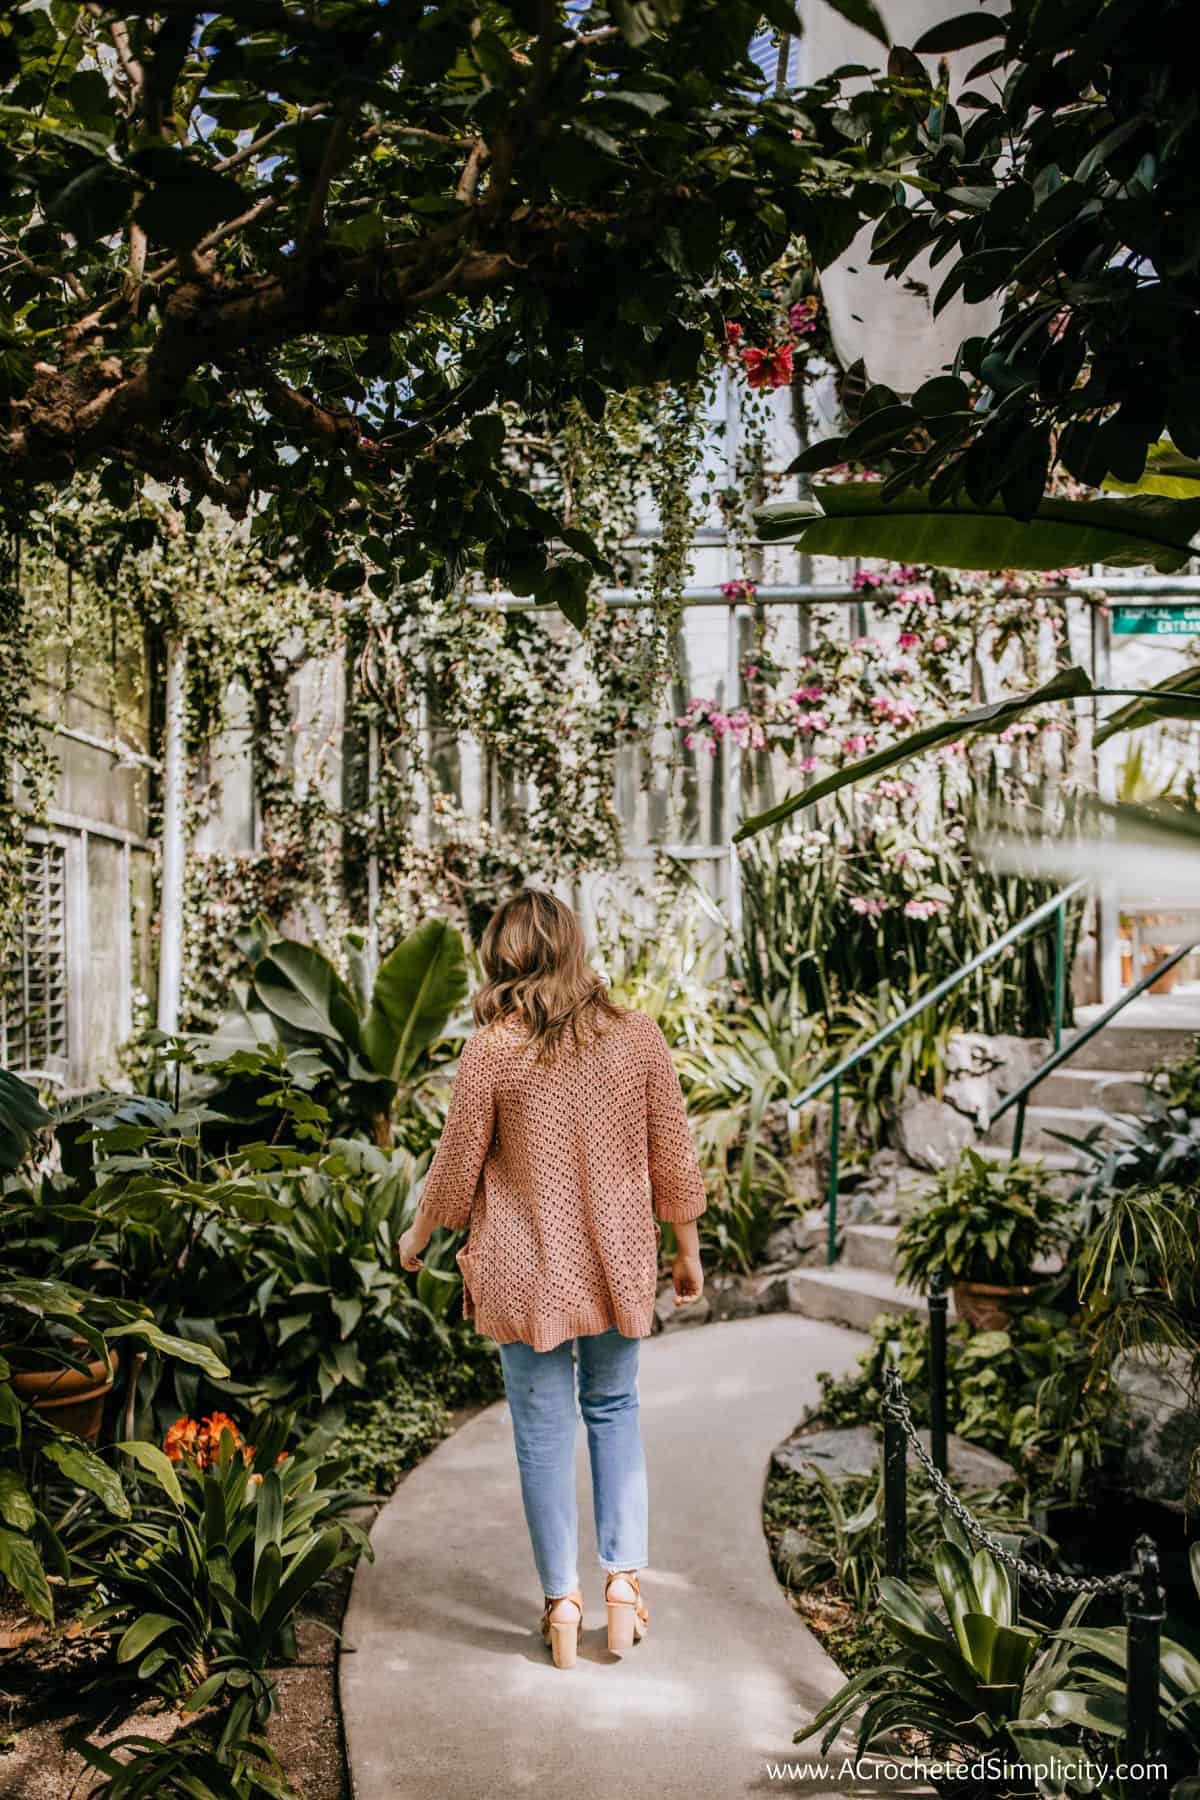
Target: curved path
x,y
446,1688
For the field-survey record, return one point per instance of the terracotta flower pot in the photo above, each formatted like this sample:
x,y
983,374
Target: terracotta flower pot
x,y
72,1399
985,1304
1166,982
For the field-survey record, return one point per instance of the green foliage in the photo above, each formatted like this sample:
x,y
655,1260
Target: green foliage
x,y
868,518
48,1475
387,1433
454,225
205,1586
21,1115
971,1677
751,1062
843,1524
964,1677
1066,193
1025,1393
1094,1692
323,1282
983,1221
375,1041
186,1767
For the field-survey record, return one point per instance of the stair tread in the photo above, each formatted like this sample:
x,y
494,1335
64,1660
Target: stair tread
x,y
1087,1071
862,1281
1052,1159
1036,1111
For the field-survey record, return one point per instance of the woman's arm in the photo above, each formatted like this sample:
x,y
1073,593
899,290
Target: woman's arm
x,y
676,1183
455,1170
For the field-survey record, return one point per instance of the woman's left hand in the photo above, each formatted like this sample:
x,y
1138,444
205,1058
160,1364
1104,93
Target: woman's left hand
x,y
409,1248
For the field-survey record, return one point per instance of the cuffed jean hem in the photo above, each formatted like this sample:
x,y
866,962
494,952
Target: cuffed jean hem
x,y
625,1568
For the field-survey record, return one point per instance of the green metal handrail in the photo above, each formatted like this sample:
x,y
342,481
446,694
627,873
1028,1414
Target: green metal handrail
x,y
1062,1052
1055,906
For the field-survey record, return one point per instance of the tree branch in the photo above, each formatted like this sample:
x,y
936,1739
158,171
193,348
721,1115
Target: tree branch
x,y
336,429
314,225
150,452
249,151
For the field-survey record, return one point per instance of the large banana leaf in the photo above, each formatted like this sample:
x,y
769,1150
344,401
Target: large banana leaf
x,y
21,1114
1068,684
301,987
416,990
852,519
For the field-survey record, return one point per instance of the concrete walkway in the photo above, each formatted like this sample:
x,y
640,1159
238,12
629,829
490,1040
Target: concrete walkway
x,y
446,1688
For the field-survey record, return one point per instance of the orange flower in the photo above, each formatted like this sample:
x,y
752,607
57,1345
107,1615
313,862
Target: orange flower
x,y
200,1442
180,1440
219,1422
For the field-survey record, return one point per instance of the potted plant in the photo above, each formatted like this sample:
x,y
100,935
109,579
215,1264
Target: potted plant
x,y
73,1386
983,1228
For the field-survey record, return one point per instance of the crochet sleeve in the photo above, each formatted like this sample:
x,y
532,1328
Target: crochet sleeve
x,y
455,1170
676,1183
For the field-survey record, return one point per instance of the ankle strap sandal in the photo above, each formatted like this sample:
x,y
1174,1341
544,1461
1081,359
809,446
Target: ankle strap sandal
x,y
562,1635
627,1619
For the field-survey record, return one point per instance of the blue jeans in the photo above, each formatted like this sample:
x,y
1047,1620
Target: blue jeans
x,y
545,1404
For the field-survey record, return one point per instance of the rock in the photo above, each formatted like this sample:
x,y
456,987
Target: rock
x,y
856,1450
785,1133
799,1241
929,1133
793,1552
980,1070
670,1317
849,1450
744,1296
822,1135
1164,1426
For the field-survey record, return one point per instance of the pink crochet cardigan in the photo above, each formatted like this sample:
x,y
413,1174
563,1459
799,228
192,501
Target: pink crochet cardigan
x,y
560,1169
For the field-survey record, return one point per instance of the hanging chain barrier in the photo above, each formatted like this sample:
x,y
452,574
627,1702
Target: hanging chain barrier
x,y
1143,1599
897,1408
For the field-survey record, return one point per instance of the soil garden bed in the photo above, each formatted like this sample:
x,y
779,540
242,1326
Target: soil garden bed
x,y
53,1684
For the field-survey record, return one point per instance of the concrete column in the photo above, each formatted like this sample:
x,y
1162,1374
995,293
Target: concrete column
x,y
174,845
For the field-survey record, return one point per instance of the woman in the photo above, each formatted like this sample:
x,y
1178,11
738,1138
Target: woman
x,y
566,1136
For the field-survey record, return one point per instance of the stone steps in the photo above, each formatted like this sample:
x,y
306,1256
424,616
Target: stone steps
x,y
1047,1126
870,1247
1132,1043
849,1296
1060,1162
1113,1090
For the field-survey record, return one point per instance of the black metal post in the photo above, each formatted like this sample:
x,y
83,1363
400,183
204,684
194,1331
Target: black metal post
x,y
895,1472
1145,1610
937,1371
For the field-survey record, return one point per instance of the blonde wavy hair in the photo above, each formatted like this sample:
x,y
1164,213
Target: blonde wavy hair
x,y
537,974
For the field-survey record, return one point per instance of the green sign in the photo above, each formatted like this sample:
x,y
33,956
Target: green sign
x,y
1157,621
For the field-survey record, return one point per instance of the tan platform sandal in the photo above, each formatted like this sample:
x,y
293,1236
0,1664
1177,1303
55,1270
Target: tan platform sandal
x,y
562,1635
627,1616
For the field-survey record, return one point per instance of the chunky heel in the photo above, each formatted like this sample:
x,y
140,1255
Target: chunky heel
x,y
622,1616
561,1636
627,1616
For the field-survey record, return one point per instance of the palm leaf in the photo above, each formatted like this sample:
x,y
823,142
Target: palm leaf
x,y
853,519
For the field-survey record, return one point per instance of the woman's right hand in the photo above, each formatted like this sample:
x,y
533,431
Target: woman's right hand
x,y
687,1276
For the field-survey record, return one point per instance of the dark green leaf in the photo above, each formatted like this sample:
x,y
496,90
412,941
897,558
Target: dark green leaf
x,y
864,14
958,33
